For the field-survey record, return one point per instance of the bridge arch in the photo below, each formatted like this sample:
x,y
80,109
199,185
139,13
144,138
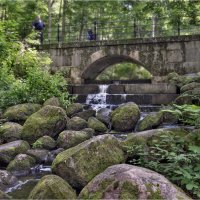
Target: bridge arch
x,y
98,65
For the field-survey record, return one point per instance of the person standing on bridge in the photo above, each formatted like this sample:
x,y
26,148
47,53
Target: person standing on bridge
x,y
39,26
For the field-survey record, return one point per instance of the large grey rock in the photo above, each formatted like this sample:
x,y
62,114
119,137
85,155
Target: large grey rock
x,y
50,120
40,155
21,112
7,180
10,131
79,164
69,138
130,182
9,150
125,117
76,123
52,187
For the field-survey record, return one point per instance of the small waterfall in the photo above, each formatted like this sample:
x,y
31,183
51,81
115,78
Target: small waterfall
x,y
98,101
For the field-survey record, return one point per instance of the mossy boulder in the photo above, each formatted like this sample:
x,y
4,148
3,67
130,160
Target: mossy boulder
x,y
10,131
45,142
178,80
86,114
79,164
183,99
73,109
21,112
97,125
21,165
125,181
3,195
125,117
9,150
169,117
53,101
190,86
69,138
7,180
52,187
150,121
103,115
50,120
145,138
90,131
40,155
76,123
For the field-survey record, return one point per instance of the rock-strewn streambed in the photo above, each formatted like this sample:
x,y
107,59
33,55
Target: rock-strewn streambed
x,y
80,152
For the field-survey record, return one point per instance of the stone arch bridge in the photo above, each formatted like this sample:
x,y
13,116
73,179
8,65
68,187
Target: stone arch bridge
x,y
159,56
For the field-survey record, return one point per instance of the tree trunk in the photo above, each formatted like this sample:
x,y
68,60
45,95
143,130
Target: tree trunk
x,y
63,33
154,26
50,20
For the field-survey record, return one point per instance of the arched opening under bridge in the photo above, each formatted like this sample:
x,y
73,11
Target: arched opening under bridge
x,y
116,68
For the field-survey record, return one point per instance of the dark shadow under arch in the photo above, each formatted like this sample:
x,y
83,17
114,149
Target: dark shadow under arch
x,y
94,69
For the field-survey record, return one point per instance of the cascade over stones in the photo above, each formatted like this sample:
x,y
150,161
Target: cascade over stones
x,y
21,112
130,182
52,187
125,117
50,120
9,150
79,164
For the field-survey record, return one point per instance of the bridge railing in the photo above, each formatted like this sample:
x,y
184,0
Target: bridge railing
x,y
123,29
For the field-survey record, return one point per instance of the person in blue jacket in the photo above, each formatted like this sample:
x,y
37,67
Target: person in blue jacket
x,y
39,26
90,35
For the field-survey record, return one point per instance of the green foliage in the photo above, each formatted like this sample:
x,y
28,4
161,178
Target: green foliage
x,y
37,145
188,114
174,157
124,71
24,75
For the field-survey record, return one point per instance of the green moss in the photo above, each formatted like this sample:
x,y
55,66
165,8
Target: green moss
x,y
52,187
153,191
128,191
74,108
45,142
97,125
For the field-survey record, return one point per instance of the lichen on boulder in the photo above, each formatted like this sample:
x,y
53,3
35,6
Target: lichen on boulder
x,y
10,131
21,165
125,117
125,181
9,150
52,187
21,112
53,101
69,138
79,164
76,123
50,120
97,125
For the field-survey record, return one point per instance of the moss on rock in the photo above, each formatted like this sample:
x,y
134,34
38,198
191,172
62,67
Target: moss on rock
x,y
53,101
45,142
97,125
150,121
68,139
10,131
130,182
125,117
76,123
9,150
79,164
3,195
50,120
74,108
21,165
21,112
52,187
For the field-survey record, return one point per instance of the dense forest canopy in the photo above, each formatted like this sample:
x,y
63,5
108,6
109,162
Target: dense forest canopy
x,y
113,18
